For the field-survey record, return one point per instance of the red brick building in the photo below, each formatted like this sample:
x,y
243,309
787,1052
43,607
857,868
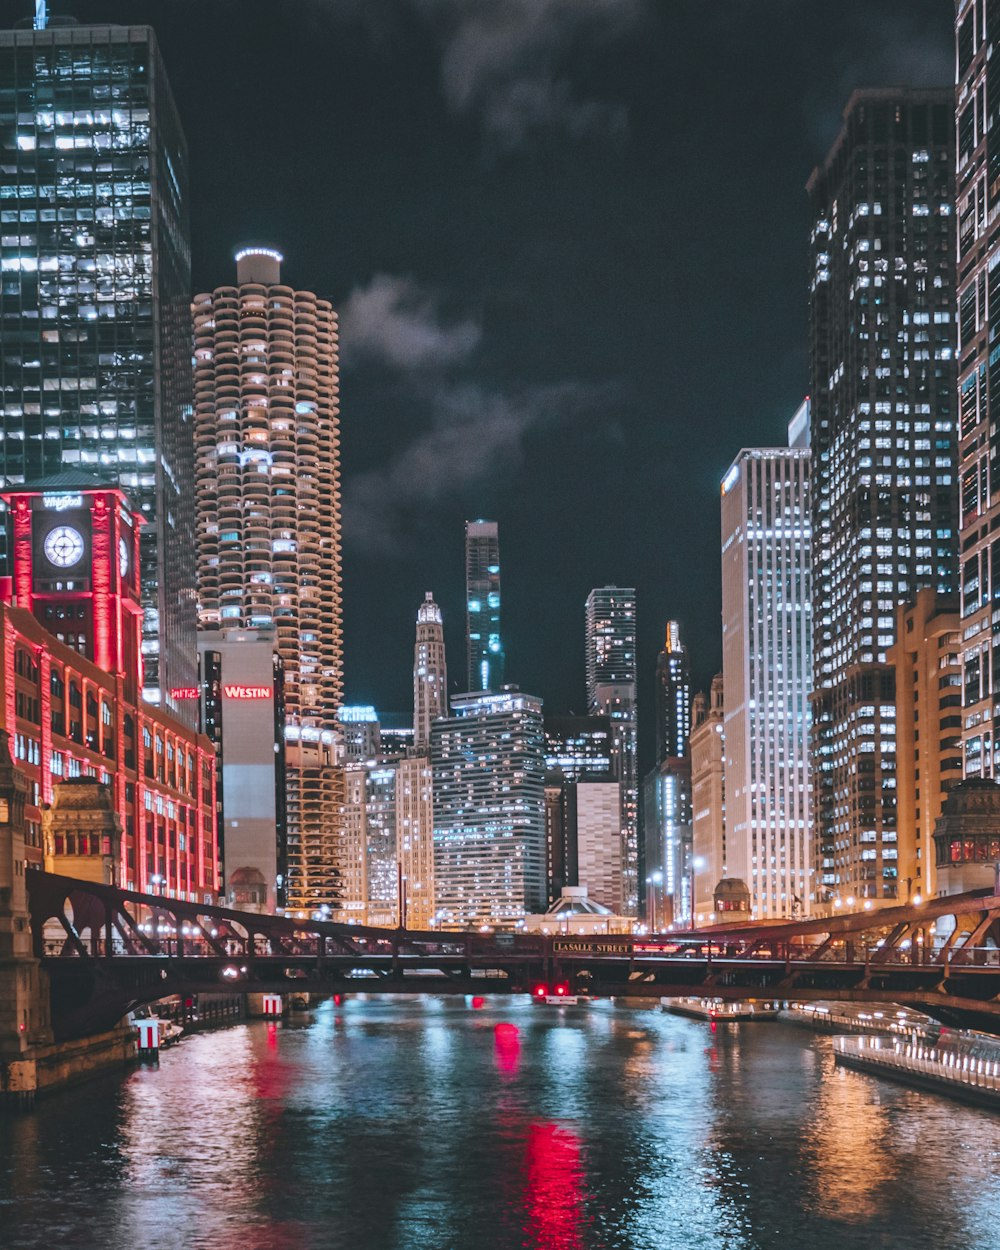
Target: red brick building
x,y
71,686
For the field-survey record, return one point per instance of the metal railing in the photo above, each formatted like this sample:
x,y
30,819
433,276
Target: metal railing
x,y
958,1061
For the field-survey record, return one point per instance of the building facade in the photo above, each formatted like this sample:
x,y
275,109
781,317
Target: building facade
x,y
96,277
388,860
612,683
242,706
708,798
579,746
268,523
927,662
767,676
884,441
71,689
594,816
430,672
488,762
485,657
977,154
666,816
673,696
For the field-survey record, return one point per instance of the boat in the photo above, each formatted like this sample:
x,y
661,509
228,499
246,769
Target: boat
x,y
717,1009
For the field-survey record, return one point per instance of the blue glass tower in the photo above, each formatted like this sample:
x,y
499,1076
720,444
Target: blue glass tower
x,y
95,326
482,606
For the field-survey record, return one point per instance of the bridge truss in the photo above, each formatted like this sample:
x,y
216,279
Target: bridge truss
x,y
107,950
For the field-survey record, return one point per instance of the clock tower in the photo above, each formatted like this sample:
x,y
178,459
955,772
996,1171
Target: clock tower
x,y
75,545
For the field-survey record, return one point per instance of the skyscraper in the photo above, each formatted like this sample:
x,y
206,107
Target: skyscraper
x,y
268,523
430,672
708,798
666,804
978,191
767,672
484,641
673,696
612,677
489,818
94,319
884,498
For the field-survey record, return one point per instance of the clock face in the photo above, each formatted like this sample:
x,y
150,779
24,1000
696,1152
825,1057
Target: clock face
x,y
63,546
122,556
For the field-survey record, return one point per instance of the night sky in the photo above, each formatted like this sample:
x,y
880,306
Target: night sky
x,y
567,241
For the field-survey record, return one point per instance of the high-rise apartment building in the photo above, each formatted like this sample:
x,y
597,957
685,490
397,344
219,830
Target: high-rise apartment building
x,y
489,819
430,672
268,522
485,657
673,696
927,659
767,674
978,194
708,798
94,323
612,682
884,443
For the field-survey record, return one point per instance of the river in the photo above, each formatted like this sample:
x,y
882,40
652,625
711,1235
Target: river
x,y
453,1124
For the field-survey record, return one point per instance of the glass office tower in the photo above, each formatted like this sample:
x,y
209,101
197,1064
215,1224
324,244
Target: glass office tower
x,y
884,486
612,680
95,352
488,759
482,603
673,696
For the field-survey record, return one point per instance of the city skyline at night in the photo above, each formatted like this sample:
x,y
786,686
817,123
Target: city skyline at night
x,y
451,369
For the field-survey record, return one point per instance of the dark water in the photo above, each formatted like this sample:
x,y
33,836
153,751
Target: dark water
x,y
428,1125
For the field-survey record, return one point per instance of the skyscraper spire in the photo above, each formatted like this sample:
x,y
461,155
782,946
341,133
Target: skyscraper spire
x,y
430,674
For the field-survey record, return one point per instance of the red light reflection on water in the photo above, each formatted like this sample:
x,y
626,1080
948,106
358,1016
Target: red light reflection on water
x,y
553,1194
478,1003
507,1042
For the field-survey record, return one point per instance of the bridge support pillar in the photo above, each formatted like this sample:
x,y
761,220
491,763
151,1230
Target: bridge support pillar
x,y
24,992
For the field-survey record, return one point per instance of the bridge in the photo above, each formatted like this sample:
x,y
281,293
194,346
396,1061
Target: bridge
x,y
107,950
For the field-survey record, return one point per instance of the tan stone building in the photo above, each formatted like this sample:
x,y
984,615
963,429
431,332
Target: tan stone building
x,y
927,662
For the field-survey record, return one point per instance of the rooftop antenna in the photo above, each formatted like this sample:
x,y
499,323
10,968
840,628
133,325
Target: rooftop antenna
x,y
41,14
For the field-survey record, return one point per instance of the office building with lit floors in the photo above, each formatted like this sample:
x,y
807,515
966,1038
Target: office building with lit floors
x,y
673,696
666,822
767,676
977,121
883,393
488,760
95,348
71,692
388,860
612,684
485,657
927,661
267,455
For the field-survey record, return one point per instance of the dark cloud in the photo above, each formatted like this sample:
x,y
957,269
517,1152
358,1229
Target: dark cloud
x,y
395,322
503,62
506,64
473,435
